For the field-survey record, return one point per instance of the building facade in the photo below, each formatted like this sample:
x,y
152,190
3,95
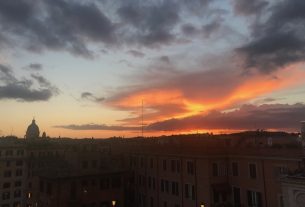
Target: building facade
x,y
241,170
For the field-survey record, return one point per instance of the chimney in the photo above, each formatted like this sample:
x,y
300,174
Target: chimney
x,y
303,130
302,137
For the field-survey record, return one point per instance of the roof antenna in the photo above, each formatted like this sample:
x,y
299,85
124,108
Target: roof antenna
x,y
142,120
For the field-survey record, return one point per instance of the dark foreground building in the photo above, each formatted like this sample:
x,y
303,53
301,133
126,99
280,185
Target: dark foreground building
x,y
250,169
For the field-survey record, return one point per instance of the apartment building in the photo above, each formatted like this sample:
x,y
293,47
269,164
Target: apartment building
x,y
247,169
51,172
13,171
177,176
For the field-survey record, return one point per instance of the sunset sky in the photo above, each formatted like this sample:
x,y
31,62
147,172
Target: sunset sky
x,y
83,68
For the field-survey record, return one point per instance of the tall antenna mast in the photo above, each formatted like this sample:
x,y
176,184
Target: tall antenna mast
x,y
142,120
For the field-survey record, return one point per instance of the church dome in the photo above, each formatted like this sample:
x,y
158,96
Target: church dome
x,y
32,131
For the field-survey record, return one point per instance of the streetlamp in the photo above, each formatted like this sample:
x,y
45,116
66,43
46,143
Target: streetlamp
x,y
113,203
202,205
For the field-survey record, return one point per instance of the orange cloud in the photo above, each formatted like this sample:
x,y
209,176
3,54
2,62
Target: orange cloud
x,y
203,92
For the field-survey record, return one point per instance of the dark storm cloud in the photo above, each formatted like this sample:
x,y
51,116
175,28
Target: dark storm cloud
x,y
69,25
91,97
6,74
22,89
55,24
248,117
43,82
165,59
34,67
280,40
136,53
267,100
206,30
242,7
152,23
102,127
189,29
210,28
23,93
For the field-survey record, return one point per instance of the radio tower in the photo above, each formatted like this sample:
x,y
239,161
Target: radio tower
x,y
142,119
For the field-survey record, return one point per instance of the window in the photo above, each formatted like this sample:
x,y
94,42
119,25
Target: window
x,y
193,192
20,152
164,165
17,204
8,163
19,163
154,183
236,196
94,163
18,183
216,197
235,169
144,199
186,191
142,162
116,182
143,180
151,202
162,185
280,171
166,186
252,170
85,164
41,186
173,165
139,179
17,193
18,172
73,190
6,195
175,188
49,188
178,166
254,199
7,173
84,183
215,169
9,152
190,167
104,184
149,182
281,201
151,163
6,185
189,191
